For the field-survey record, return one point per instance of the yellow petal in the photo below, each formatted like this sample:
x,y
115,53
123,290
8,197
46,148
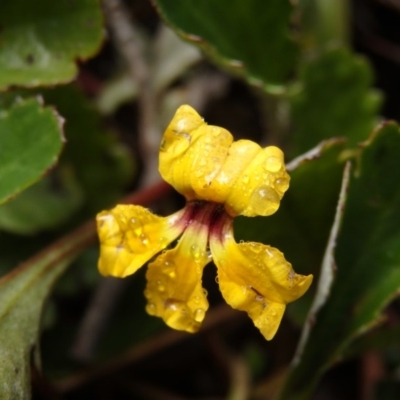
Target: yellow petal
x,y
202,162
174,291
257,279
192,153
261,185
130,235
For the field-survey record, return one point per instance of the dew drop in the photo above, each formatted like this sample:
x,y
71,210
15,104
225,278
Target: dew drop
x,y
217,279
205,293
195,251
144,239
151,309
203,162
136,227
168,267
282,184
273,164
273,312
199,315
255,247
246,179
160,286
264,200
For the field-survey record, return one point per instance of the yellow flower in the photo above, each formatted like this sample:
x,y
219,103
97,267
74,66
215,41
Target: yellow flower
x,y
220,179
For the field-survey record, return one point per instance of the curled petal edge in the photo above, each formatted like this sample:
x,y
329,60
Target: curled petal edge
x,y
131,235
257,279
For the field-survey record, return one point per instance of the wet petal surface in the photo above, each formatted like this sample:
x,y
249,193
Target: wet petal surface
x,y
203,163
131,235
257,279
174,282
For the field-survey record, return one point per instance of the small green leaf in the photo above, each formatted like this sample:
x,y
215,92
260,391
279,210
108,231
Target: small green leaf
x,y
22,295
249,37
95,157
367,258
44,205
335,100
31,139
40,40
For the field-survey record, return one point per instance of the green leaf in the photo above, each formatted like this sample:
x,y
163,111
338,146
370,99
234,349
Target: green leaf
x,y
44,205
335,99
96,158
368,261
249,37
22,295
31,139
40,40
324,23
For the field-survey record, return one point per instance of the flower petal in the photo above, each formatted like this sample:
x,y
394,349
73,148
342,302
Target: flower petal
x,y
257,279
192,153
261,185
174,290
202,162
130,235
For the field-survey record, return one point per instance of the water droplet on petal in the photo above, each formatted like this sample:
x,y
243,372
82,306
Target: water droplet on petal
x,y
273,164
264,200
205,293
199,315
144,239
273,311
195,252
255,247
172,274
151,309
217,279
282,184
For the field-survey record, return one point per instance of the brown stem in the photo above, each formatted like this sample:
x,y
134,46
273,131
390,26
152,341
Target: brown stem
x,y
127,40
